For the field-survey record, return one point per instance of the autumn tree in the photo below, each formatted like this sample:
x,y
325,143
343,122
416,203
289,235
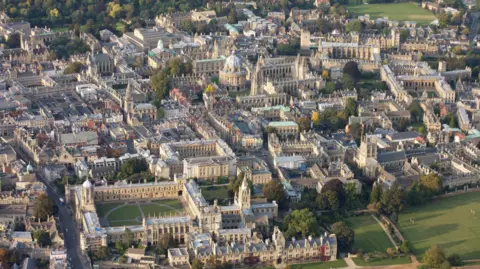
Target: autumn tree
x,y
315,118
434,257
43,207
210,88
274,191
432,182
325,74
303,124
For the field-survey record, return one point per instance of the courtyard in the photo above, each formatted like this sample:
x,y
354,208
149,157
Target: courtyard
x,y
130,213
452,223
369,236
398,12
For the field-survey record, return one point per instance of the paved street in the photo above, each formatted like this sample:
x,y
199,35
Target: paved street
x,y
67,225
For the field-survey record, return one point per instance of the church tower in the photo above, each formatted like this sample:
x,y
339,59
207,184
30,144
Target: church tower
x,y
242,198
368,149
87,196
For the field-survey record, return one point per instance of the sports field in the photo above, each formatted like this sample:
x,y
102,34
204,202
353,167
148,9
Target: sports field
x,y
369,235
119,214
398,12
448,222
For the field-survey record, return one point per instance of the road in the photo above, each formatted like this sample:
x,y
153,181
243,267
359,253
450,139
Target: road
x,y
67,224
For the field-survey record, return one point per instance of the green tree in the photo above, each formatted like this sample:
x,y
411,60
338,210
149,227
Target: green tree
x,y
355,129
165,242
42,238
13,41
354,26
403,35
454,260
402,125
348,82
274,191
197,264
406,247
351,69
72,68
303,124
100,254
392,199
376,193
416,111
232,16
43,207
432,182
345,236
300,222
351,107
434,257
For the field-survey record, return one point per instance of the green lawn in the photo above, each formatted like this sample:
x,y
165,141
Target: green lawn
x,y
157,208
399,12
383,262
320,265
102,209
128,212
215,192
58,29
369,236
446,222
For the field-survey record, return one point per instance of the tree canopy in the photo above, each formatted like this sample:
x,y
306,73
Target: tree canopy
x,y
43,207
300,222
72,68
273,191
345,236
434,257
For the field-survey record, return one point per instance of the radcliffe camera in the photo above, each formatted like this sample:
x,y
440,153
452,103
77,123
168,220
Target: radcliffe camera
x,y
205,134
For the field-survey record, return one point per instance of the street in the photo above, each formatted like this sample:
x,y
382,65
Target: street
x,y
71,238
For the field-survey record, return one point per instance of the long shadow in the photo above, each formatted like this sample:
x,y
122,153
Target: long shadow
x,y
429,232
445,246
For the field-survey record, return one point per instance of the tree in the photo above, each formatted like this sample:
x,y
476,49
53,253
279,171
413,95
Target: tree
x,y
325,74
300,222
13,41
406,247
345,236
416,111
390,252
274,191
392,199
315,118
354,26
330,87
403,35
432,182
100,254
42,238
454,260
402,124
335,186
43,207
303,124
466,31
351,107
210,88
72,68
351,69
197,264
348,82
434,257
355,129
165,242
232,16
4,255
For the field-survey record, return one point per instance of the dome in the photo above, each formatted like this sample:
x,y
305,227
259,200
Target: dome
x,y
87,184
233,63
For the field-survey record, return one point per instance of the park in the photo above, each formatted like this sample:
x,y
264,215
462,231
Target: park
x,y
451,223
130,213
397,11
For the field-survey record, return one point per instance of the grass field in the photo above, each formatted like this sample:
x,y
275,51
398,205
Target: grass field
x,y
399,12
102,209
383,262
447,223
369,236
320,265
127,212
215,192
119,214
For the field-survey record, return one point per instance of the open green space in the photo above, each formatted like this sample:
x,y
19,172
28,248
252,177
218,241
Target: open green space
x,y
320,265
215,192
369,235
127,212
383,261
103,209
58,29
398,11
161,207
448,223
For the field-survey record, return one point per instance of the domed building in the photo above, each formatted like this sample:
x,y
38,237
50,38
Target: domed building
x,y
233,76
